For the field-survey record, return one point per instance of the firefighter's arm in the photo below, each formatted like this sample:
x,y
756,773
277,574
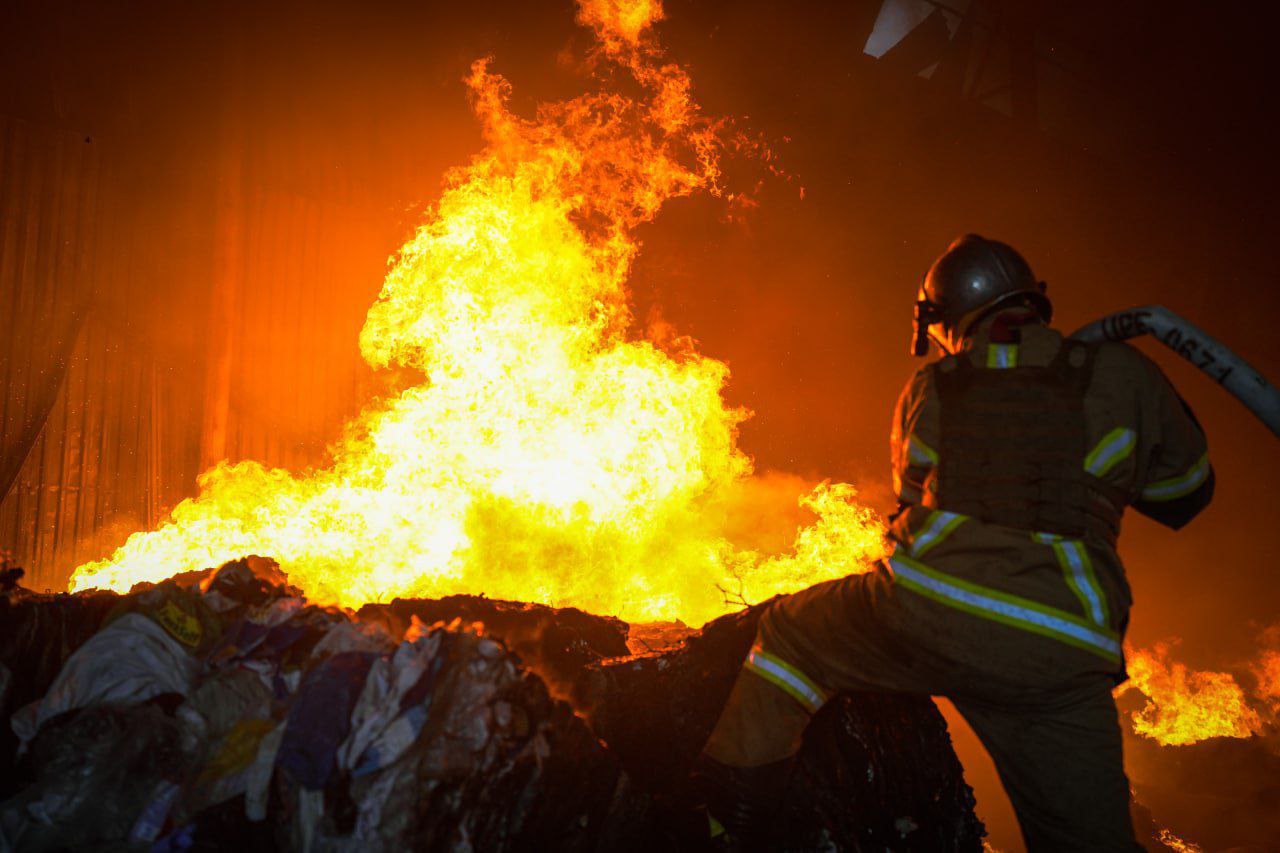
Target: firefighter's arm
x,y
914,438
1179,481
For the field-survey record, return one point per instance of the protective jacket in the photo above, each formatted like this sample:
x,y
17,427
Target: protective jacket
x,y
1014,461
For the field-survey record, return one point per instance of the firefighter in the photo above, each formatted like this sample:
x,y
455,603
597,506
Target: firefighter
x,y
1014,456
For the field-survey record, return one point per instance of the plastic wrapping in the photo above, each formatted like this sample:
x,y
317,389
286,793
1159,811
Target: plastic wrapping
x,y
221,711
108,773
130,661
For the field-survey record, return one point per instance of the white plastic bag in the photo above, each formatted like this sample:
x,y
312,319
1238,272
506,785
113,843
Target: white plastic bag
x,y
129,661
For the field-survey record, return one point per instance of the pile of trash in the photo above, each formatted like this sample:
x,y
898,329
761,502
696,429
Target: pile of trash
x,y
876,771
221,709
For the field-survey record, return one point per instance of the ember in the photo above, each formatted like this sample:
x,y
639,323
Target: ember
x,y
1173,842
548,454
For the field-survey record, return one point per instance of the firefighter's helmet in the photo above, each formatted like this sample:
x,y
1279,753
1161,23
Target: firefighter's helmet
x,y
974,277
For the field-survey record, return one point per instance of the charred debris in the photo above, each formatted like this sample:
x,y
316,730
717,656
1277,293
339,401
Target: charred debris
x,y
219,708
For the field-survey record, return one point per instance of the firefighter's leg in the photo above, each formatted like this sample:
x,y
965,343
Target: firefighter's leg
x,y
1062,767
827,638
760,724
808,645
743,771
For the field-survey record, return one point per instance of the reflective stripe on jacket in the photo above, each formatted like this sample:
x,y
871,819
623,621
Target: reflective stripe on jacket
x,y
1141,443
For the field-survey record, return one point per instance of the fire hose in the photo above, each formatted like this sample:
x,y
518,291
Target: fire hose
x,y
1217,361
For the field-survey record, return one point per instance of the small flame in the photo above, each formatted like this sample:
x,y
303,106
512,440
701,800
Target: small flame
x,y
1266,670
1173,842
1185,706
620,23
549,454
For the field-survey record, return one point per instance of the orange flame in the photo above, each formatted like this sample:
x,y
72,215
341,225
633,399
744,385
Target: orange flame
x,y
1173,842
1267,668
548,455
1184,706
1267,671
619,23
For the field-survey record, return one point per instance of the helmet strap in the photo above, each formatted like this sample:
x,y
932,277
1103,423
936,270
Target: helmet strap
x,y
926,314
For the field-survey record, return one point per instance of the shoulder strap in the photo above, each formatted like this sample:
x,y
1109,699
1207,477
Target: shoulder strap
x,y
1073,364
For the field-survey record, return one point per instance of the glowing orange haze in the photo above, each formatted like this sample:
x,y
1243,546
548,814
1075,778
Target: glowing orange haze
x,y
1267,668
1267,671
549,454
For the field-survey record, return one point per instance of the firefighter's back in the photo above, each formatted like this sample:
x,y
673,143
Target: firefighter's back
x,y
1015,459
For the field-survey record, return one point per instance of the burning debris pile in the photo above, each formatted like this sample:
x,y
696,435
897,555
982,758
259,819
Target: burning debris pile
x,y
543,450
1184,706
220,708
1203,747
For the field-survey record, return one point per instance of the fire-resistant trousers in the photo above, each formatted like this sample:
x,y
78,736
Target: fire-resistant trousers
x,y
1057,747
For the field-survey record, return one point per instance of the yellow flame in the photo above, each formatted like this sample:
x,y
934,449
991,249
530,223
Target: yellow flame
x,y
548,454
1173,842
1185,706
620,22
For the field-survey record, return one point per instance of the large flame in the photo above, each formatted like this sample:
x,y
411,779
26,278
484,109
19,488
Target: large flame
x,y
1185,706
549,454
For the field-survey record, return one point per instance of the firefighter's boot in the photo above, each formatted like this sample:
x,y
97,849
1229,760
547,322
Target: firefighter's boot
x,y
743,803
